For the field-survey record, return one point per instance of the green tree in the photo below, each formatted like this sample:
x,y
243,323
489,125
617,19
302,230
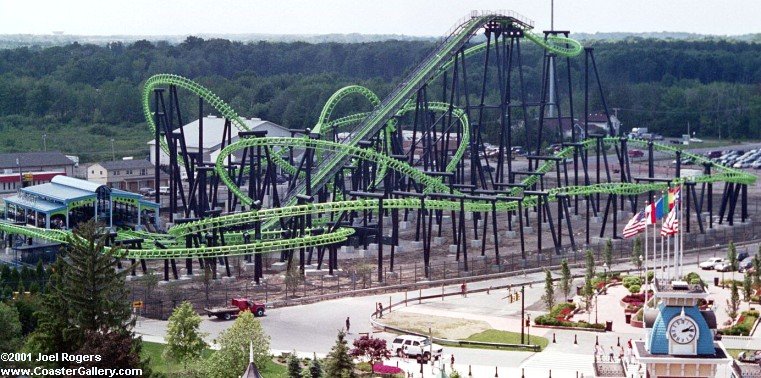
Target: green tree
x,y
87,296
293,277
589,293
590,264
732,256
233,355
757,269
338,362
183,337
294,366
566,279
747,287
315,368
636,253
549,290
607,253
10,329
733,303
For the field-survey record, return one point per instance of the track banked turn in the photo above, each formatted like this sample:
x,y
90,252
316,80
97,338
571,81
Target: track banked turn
x,y
332,156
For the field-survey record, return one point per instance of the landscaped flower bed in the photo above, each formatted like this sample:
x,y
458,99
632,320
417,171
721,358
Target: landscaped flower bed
x,y
559,315
386,370
744,324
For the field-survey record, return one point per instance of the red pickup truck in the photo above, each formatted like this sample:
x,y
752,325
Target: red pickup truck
x,y
237,305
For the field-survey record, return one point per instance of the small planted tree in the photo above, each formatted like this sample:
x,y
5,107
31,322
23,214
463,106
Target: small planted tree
x,y
589,294
732,256
636,253
293,277
566,279
294,366
590,264
375,350
234,342
549,290
338,362
733,303
315,368
184,339
607,252
747,287
757,269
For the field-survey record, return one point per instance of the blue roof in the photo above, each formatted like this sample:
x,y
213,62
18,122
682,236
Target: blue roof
x,y
57,192
76,183
124,194
658,342
38,205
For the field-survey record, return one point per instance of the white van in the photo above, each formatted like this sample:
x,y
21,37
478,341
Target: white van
x,y
163,189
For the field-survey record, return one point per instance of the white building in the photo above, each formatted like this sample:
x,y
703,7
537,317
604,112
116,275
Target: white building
x,y
213,129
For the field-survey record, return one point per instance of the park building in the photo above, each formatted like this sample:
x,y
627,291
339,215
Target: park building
x,y
23,169
128,174
66,201
213,135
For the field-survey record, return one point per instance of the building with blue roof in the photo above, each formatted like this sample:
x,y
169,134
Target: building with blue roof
x,y
66,201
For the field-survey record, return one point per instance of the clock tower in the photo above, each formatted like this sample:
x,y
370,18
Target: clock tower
x,y
679,335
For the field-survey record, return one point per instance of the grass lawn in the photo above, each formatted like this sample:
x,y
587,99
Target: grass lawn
x,y
161,365
497,336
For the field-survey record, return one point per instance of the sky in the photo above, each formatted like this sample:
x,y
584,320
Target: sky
x,y
408,17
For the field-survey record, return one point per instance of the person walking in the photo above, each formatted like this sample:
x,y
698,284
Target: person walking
x,y
451,362
380,309
611,354
348,324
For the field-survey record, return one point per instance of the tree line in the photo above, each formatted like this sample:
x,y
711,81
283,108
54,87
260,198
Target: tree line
x,y
659,84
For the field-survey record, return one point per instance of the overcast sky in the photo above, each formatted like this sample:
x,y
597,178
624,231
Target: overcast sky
x,y
410,17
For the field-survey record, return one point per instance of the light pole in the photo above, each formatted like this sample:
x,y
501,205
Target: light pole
x,y
640,267
113,155
605,272
596,308
45,141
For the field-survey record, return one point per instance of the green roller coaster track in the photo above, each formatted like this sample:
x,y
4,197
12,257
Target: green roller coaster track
x,y
333,153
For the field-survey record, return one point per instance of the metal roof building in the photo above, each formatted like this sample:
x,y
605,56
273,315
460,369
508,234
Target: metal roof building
x,y
213,129
64,198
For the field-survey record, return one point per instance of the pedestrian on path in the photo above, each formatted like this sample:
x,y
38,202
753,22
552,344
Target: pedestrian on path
x,y
610,355
380,309
348,324
464,289
621,354
451,362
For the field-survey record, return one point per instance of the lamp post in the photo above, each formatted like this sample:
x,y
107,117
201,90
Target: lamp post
x,y
640,266
605,273
596,308
113,155
44,141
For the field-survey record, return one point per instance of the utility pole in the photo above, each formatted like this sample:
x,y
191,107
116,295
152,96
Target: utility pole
x,y
45,142
113,155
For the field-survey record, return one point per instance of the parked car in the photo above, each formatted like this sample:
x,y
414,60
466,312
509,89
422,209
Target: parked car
x,y
723,267
146,191
745,265
714,154
636,153
710,263
742,255
164,189
414,346
749,356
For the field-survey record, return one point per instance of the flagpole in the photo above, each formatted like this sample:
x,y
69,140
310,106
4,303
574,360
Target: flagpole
x,y
681,233
645,284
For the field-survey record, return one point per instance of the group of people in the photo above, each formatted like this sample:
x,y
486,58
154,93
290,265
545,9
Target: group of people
x,y
621,353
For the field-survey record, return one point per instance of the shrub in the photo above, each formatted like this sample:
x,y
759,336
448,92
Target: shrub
x,y
634,289
631,280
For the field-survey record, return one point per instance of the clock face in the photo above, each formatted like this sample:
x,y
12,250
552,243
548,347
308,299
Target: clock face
x,y
683,330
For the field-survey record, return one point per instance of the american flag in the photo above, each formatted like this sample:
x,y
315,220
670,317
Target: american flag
x,y
671,223
635,225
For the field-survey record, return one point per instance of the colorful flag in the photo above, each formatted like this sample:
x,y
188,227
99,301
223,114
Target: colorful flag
x,y
635,225
650,213
674,196
660,208
671,224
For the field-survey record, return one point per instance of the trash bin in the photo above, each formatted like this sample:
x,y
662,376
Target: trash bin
x,y
628,318
609,326
716,281
578,290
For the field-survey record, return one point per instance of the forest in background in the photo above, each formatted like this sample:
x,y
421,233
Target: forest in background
x,y
83,95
